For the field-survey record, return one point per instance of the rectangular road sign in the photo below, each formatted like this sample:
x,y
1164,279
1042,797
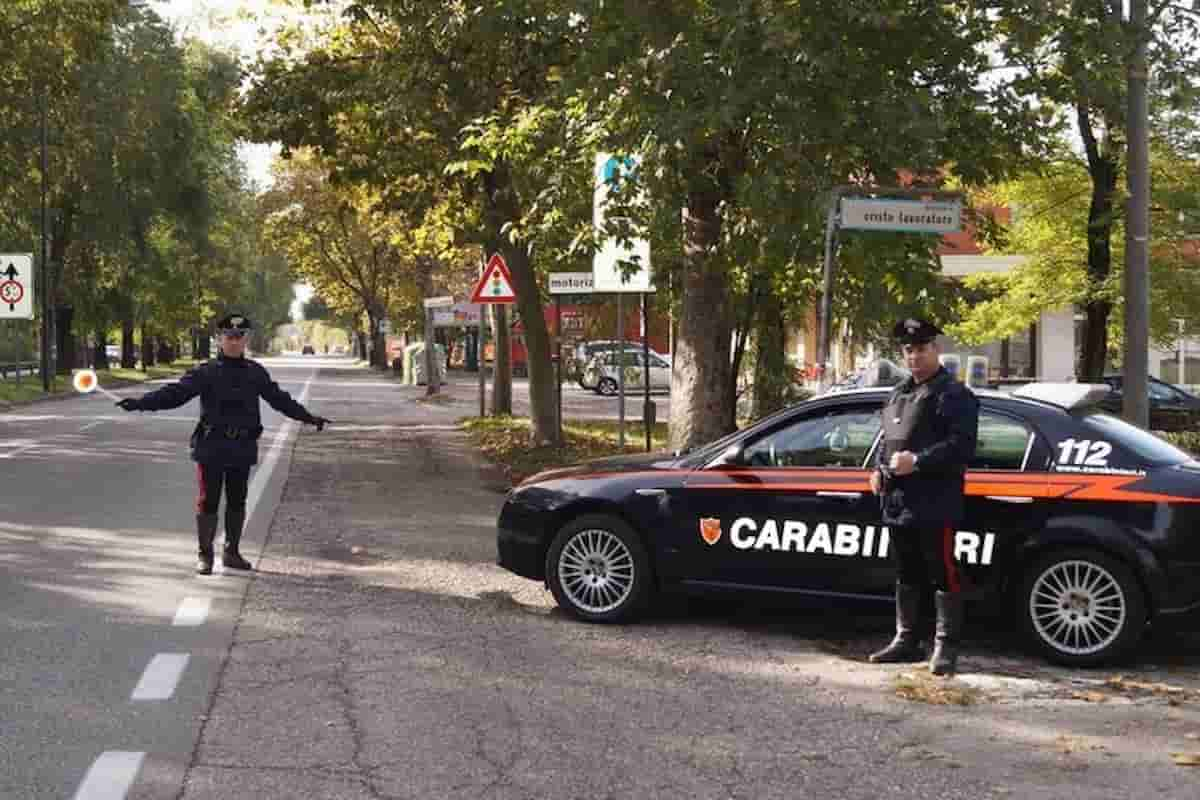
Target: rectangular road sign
x,y
607,273
439,302
570,283
912,216
16,286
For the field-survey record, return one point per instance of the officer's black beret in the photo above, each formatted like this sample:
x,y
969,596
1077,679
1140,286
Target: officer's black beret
x,y
915,331
234,322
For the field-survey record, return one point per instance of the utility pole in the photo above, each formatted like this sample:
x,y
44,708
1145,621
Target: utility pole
x,y
45,280
1136,359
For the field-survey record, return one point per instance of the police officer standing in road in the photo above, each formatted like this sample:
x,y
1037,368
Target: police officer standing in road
x,y
225,441
929,431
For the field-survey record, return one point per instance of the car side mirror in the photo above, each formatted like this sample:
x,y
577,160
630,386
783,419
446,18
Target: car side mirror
x,y
733,456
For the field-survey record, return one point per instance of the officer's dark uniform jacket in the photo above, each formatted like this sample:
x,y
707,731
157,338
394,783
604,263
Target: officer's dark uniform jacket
x,y
230,425
936,420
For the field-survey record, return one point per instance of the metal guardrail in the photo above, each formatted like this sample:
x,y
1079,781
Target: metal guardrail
x,y
18,368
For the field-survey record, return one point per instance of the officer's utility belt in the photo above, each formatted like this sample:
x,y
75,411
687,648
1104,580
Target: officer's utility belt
x,y
230,432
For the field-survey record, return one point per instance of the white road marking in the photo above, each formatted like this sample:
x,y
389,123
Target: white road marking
x,y
192,611
91,425
110,776
161,677
268,466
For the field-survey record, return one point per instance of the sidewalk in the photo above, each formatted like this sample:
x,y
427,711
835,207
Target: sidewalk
x,y
381,653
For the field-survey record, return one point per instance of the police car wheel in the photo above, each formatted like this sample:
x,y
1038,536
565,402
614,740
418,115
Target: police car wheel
x,y
598,570
1082,608
607,387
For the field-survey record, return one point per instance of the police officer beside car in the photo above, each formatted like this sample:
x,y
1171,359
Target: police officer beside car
x,y
929,432
224,443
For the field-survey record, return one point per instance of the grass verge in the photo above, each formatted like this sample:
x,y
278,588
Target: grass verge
x,y
29,389
505,442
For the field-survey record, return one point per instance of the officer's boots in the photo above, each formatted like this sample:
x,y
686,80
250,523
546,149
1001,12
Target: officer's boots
x,y
906,646
949,627
234,520
206,531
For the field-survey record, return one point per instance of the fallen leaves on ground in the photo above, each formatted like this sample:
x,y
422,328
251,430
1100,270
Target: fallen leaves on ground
x,y
923,688
505,441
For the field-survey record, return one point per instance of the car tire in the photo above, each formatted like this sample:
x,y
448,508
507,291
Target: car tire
x,y
598,570
1081,607
607,387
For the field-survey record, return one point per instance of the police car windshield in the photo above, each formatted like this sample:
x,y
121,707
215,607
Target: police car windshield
x,y
707,452
1147,447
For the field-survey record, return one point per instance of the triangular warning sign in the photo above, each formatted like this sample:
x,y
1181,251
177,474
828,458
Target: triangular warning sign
x,y
496,285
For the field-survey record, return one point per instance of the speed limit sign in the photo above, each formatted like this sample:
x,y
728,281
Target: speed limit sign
x,y
16,286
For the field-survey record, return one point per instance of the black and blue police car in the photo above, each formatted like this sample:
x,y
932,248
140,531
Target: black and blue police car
x,y
1089,527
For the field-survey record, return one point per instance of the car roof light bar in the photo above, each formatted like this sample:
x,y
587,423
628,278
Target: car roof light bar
x,y
1064,395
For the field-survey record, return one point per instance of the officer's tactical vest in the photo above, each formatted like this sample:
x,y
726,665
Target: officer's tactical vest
x,y
931,495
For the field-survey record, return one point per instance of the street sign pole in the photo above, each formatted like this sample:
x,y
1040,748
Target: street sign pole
x,y
646,416
558,364
827,294
620,372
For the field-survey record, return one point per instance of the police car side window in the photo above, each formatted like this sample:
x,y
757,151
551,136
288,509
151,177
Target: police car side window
x,y
840,438
1002,443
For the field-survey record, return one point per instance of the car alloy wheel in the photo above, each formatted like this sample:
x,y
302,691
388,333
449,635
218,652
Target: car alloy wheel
x,y
1082,607
598,570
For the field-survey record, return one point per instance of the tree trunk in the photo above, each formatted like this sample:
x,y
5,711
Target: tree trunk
x,y
425,265
700,397
147,348
378,344
1103,167
502,363
128,348
542,394
772,374
100,350
65,339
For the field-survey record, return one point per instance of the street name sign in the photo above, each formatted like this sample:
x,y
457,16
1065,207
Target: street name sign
x,y
910,216
16,286
439,302
571,283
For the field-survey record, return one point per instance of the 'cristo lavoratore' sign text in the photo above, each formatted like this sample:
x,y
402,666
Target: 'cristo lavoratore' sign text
x,y
913,216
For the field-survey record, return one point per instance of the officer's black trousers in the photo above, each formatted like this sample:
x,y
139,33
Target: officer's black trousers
x,y
235,480
924,556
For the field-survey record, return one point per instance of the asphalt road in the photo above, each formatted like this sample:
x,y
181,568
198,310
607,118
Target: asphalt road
x,y
97,545
379,652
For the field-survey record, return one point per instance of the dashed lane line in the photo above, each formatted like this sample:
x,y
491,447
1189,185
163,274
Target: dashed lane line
x,y
110,776
192,611
161,677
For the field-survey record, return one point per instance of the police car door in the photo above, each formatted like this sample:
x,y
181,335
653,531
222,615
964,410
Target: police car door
x,y
796,512
1006,496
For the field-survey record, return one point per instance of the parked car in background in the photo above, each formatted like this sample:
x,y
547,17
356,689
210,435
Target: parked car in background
x,y
1171,408
586,351
602,372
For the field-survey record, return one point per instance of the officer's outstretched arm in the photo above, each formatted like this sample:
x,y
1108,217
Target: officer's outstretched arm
x,y
959,411
174,394
285,404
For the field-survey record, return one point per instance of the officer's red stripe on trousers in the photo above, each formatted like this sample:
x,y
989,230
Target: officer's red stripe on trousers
x,y
948,559
203,489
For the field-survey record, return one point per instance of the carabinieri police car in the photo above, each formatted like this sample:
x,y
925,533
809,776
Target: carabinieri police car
x,y
1086,526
